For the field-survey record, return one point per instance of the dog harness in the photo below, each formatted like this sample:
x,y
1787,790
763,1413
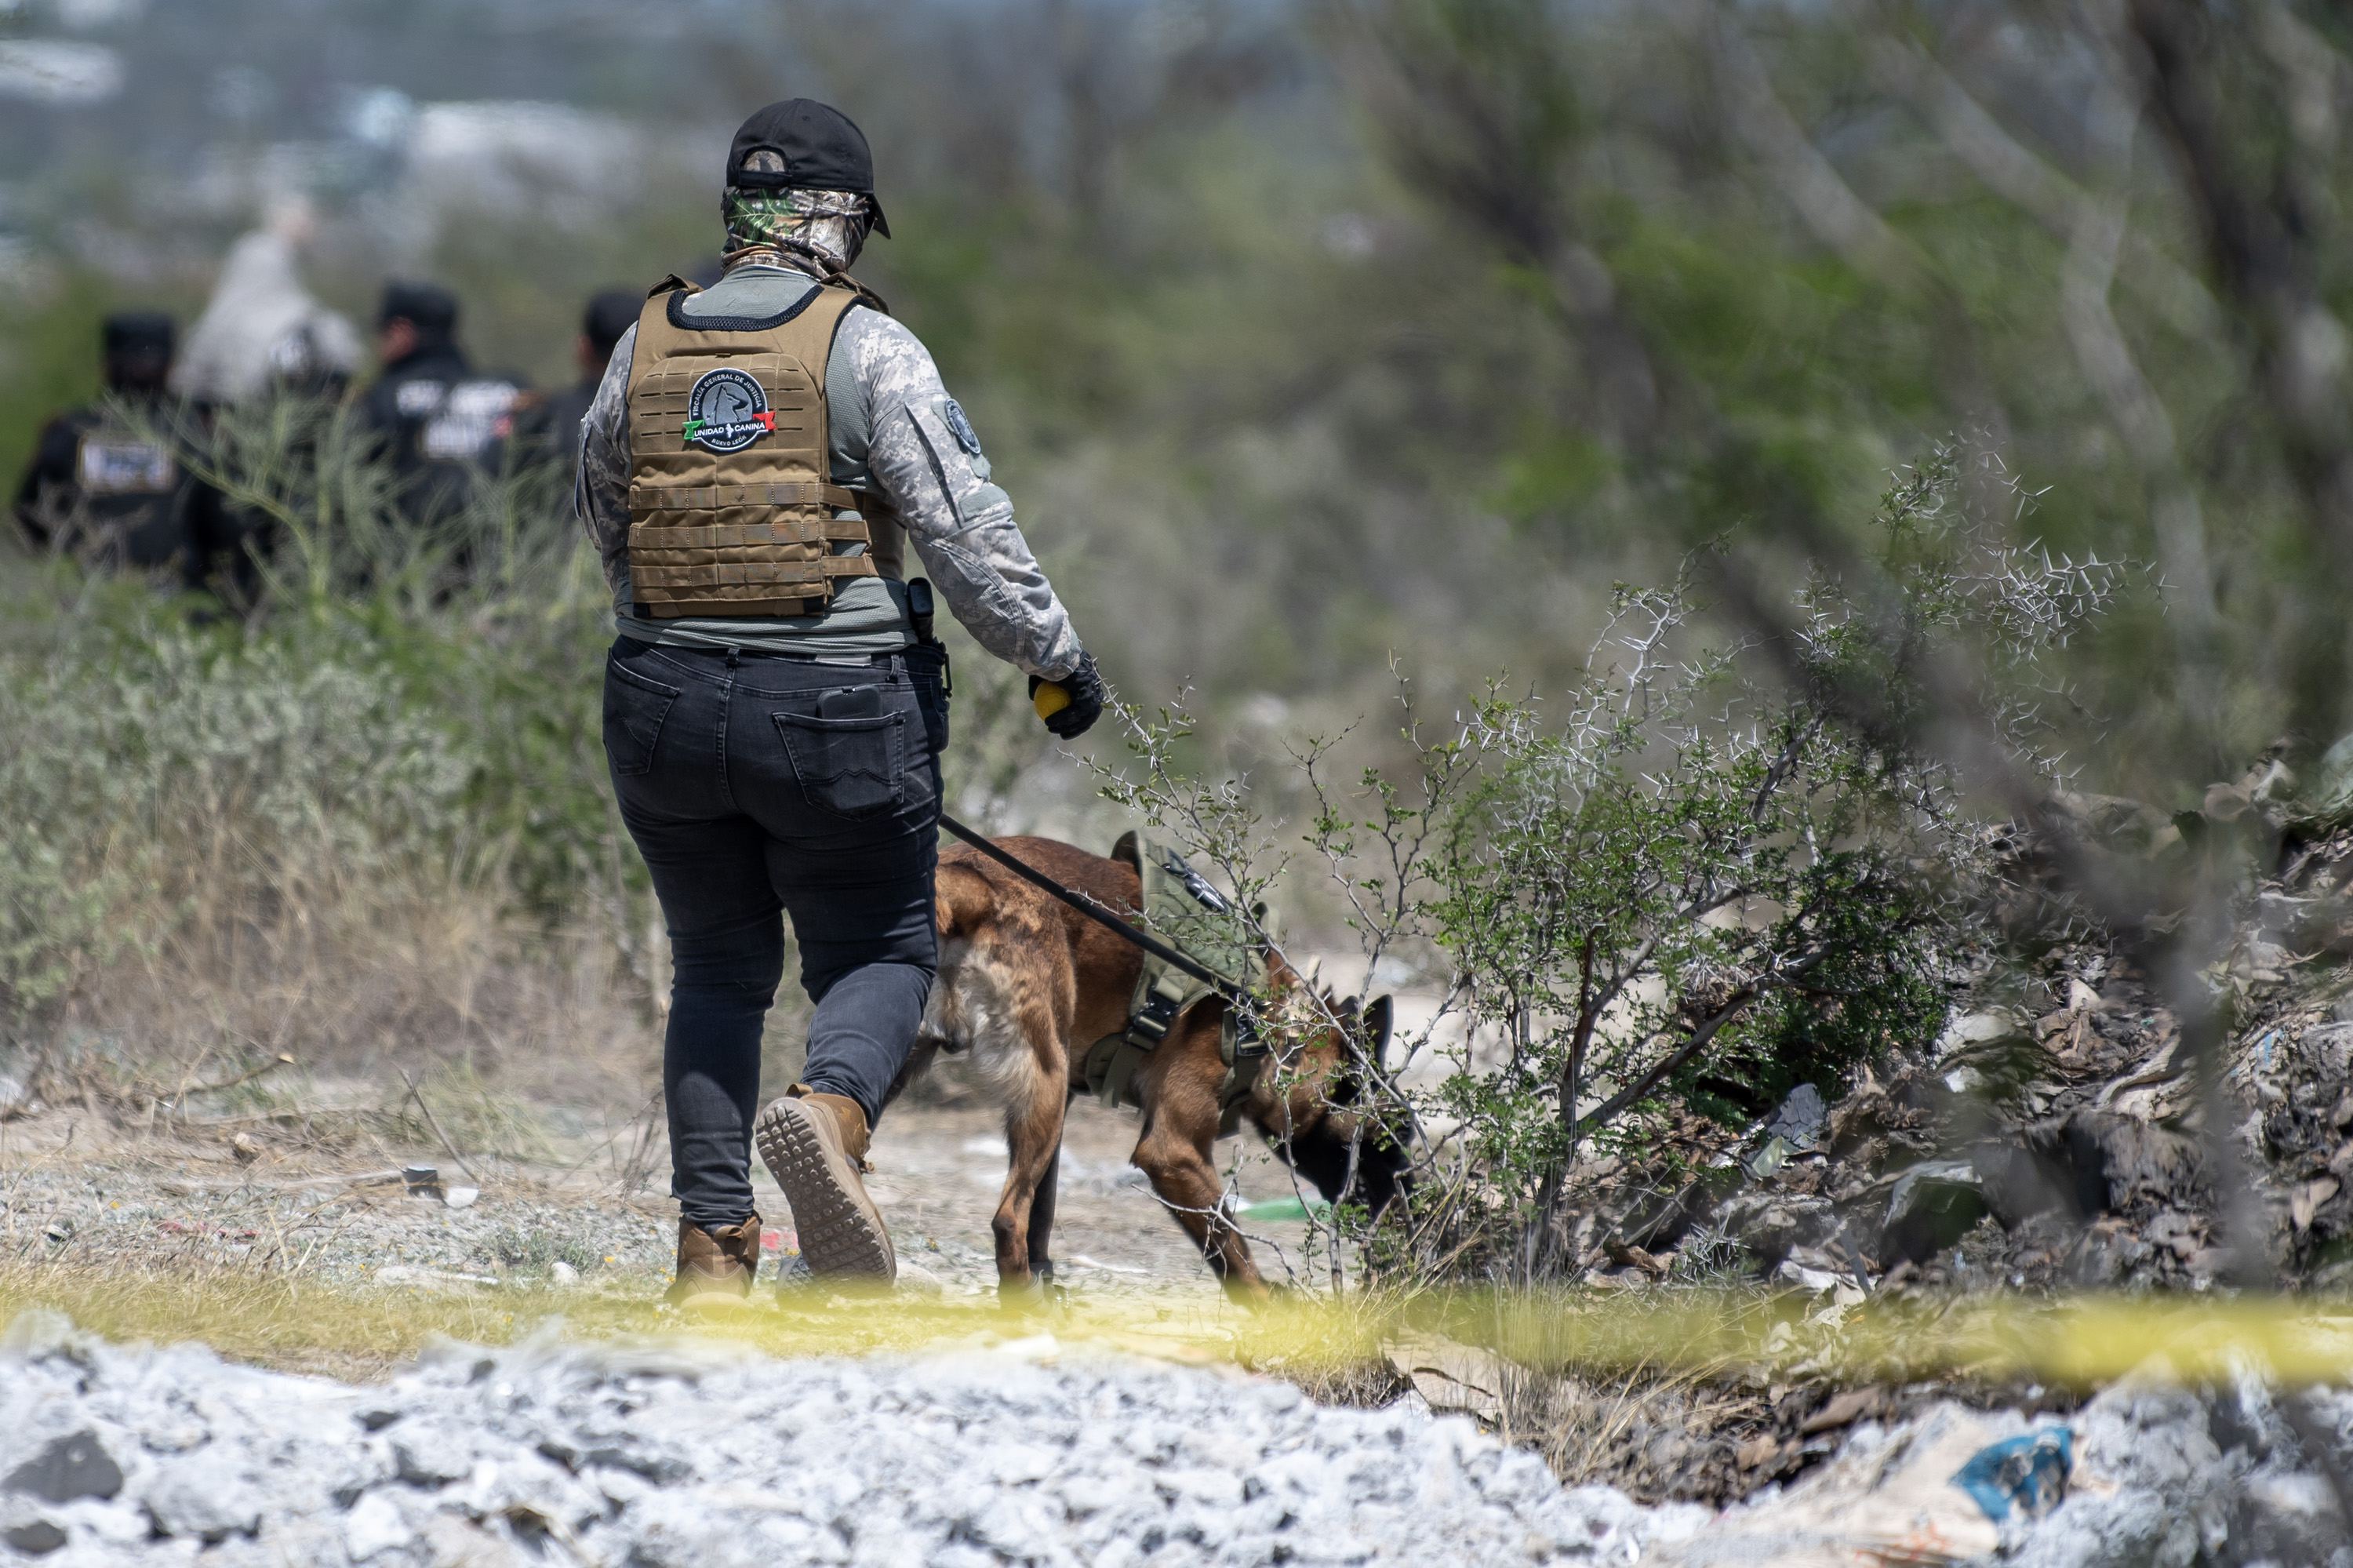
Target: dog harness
x,y
1184,910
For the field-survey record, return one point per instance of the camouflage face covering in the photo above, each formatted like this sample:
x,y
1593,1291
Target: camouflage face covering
x,y
828,226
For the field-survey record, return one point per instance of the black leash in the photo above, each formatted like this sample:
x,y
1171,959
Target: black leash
x,y
1095,912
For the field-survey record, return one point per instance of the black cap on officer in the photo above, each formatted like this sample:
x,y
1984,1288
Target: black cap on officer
x,y
609,315
137,335
138,346
431,309
817,147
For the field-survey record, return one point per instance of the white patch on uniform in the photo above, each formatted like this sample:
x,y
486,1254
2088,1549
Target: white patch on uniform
x,y
125,468
415,399
475,414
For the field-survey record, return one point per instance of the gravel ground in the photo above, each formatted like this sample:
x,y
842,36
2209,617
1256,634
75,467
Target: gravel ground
x,y
688,1455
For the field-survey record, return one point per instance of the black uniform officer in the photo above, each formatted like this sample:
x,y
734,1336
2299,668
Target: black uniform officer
x,y
437,421
556,423
116,490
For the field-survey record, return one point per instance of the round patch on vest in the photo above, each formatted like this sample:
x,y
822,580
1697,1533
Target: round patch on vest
x,y
727,411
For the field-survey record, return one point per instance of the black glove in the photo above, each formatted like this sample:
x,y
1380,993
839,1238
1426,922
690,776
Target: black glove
x,y
1081,694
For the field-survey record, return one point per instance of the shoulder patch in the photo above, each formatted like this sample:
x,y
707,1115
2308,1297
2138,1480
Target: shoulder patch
x,y
961,428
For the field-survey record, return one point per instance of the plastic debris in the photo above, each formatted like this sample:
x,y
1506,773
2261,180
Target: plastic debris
x,y
1889,1496
1451,1376
2026,1474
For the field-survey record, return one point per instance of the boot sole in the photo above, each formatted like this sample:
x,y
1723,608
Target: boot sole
x,y
842,1232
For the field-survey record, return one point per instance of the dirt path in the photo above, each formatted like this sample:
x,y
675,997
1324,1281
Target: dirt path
x,y
939,1171
76,1189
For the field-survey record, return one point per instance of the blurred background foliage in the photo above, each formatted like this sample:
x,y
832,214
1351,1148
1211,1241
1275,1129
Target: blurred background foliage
x,y
1305,332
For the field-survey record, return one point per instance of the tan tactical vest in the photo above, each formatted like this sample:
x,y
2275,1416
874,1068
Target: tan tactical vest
x,y
732,507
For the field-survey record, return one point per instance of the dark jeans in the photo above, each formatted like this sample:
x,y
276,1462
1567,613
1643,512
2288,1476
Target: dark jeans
x,y
755,787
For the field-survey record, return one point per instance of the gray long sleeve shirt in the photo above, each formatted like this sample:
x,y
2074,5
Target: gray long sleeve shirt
x,y
893,427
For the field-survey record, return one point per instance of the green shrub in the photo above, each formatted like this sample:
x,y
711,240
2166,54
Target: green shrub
x,y
1701,875
385,724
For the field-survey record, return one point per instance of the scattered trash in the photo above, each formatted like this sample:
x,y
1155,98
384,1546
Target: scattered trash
x,y
1933,1204
1290,1208
243,1150
2334,793
1451,1376
1080,1260
1845,1410
419,1277
422,1181
1800,1119
2026,1474
460,1197
1976,1029
1818,1282
1887,1497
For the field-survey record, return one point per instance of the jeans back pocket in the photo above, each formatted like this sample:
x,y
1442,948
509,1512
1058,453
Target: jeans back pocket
x,y
635,708
854,766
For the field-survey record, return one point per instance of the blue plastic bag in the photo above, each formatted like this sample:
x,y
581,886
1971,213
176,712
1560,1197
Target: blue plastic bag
x,y
2028,1473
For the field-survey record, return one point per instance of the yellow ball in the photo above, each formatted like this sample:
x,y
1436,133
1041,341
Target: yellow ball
x,y
1049,699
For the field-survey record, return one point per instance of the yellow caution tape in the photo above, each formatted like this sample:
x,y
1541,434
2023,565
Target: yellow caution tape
x,y
1743,1335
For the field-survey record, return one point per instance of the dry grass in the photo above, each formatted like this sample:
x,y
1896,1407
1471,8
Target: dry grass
x,y
388,988
1653,1432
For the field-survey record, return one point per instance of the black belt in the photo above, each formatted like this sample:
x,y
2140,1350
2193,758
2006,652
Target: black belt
x,y
892,659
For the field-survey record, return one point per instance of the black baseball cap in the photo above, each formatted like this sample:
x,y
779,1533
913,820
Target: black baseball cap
x,y
431,309
816,147
609,315
142,333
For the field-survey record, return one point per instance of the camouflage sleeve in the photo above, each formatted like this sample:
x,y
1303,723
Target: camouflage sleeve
x,y
924,456
600,494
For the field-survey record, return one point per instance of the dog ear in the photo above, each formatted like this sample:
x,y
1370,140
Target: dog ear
x,y
1377,1023
1345,1081
962,900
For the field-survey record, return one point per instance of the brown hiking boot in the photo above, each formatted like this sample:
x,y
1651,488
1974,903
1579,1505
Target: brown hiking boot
x,y
716,1268
815,1145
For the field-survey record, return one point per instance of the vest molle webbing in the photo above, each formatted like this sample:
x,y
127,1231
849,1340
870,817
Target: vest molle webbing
x,y
732,510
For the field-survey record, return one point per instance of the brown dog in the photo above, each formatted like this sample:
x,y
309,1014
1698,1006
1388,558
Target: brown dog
x,y
1027,984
